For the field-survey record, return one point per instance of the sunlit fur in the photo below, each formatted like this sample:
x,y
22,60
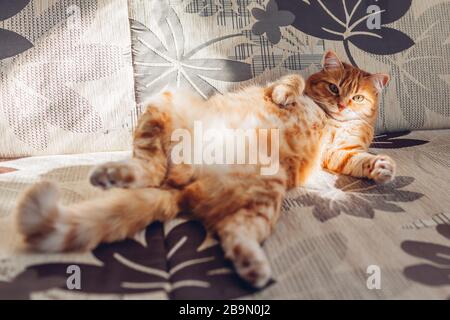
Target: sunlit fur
x,y
234,201
351,82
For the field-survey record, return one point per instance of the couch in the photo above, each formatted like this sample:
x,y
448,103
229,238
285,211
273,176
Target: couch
x,y
73,78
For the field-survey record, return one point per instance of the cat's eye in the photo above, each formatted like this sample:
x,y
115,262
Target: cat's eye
x,y
359,98
334,88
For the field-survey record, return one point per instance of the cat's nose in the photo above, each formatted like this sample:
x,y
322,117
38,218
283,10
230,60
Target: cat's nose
x,y
341,106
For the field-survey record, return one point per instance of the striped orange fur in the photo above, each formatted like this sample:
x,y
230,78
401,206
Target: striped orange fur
x,y
328,120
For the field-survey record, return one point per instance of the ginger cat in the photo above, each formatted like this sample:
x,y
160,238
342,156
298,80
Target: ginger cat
x,y
329,121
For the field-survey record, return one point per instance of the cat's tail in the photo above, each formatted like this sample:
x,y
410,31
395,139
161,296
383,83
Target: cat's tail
x,y
49,226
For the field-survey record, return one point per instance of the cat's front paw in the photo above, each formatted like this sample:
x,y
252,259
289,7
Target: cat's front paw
x,y
288,89
283,95
382,169
113,175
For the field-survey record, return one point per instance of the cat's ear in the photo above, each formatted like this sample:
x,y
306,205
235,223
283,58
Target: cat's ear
x,y
331,61
380,80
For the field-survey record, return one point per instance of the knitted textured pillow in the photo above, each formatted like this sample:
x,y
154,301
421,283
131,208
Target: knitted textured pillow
x,y
66,83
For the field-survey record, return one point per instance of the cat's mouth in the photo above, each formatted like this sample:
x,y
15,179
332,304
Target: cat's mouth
x,y
341,115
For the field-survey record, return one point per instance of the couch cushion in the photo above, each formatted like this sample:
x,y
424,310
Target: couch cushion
x,y
211,46
330,235
66,83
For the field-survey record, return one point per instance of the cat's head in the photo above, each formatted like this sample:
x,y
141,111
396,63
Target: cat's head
x,y
345,92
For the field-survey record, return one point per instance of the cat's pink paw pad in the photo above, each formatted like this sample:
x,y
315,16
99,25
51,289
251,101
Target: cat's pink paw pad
x,y
252,265
383,170
112,175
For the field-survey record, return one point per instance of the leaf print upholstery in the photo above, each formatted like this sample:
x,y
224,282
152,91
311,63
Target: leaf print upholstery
x,y
12,43
178,263
228,13
40,87
436,270
315,250
68,181
394,141
18,289
270,21
418,73
410,39
158,64
204,8
438,152
57,104
346,21
11,8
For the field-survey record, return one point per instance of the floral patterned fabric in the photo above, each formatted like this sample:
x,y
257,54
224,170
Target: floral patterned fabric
x,y
67,86
66,75
66,80
329,233
214,45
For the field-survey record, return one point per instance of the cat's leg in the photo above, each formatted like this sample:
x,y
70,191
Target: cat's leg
x,y
47,225
180,175
257,205
241,207
286,90
361,164
148,166
241,236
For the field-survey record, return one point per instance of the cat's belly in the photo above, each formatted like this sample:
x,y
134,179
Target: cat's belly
x,y
302,140
235,133
291,140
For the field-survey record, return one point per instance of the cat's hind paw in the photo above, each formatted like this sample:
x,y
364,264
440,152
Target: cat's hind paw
x,y
38,214
113,175
382,170
251,263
